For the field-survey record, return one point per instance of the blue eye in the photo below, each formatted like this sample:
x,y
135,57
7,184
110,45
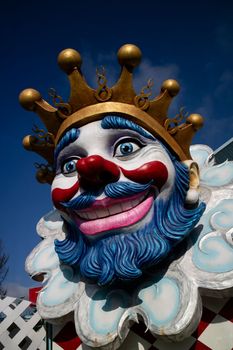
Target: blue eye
x,y
126,148
69,166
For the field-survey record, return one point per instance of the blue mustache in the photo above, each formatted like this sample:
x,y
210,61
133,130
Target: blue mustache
x,y
83,201
112,190
123,189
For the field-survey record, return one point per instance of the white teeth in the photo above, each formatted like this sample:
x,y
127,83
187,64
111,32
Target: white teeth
x,y
84,215
126,206
101,213
115,209
135,202
112,210
92,215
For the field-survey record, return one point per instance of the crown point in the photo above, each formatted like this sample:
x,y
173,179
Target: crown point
x,y
26,142
69,59
41,176
28,97
172,86
129,55
196,120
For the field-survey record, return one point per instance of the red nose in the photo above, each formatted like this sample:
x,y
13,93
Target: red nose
x,y
95,172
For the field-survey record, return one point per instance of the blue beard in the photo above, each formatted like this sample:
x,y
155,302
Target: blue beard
x,y
124,256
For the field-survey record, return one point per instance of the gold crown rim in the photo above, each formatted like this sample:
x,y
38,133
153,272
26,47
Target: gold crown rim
x,y
95,112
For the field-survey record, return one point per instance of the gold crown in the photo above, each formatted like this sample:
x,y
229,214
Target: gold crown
x,y
86,105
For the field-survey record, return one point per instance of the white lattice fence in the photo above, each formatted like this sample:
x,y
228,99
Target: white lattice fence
x,y
20,325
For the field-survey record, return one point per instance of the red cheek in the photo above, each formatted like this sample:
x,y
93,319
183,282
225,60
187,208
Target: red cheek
x,y
155,171
64,195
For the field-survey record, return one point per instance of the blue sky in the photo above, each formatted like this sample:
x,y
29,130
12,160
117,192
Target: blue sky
x,y
188,41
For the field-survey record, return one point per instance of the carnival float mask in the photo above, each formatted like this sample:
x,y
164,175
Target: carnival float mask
x,y
125,184
121,171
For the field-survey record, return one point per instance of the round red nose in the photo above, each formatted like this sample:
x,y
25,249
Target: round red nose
x,y
95,172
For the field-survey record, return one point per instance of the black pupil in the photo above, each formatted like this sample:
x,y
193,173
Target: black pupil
x,y
70,166
126,148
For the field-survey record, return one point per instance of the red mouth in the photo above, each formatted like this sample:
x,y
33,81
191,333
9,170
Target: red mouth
x,y
111,214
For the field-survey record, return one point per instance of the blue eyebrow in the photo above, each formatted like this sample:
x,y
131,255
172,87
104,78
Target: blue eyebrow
x,y
116,122
68,138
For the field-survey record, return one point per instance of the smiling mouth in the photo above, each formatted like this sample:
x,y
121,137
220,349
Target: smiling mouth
x,y
111,214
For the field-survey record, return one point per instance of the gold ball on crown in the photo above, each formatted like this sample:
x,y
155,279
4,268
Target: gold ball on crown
x,y
172,86
129,55
69,59
196,120
28,97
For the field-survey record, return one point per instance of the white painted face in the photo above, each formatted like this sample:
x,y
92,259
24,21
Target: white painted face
x,y
100,158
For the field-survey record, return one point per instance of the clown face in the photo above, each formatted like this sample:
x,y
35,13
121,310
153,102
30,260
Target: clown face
x,y
122,195
125,170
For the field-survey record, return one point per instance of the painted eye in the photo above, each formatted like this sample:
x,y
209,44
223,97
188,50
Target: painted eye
x,y
126,147
69,166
